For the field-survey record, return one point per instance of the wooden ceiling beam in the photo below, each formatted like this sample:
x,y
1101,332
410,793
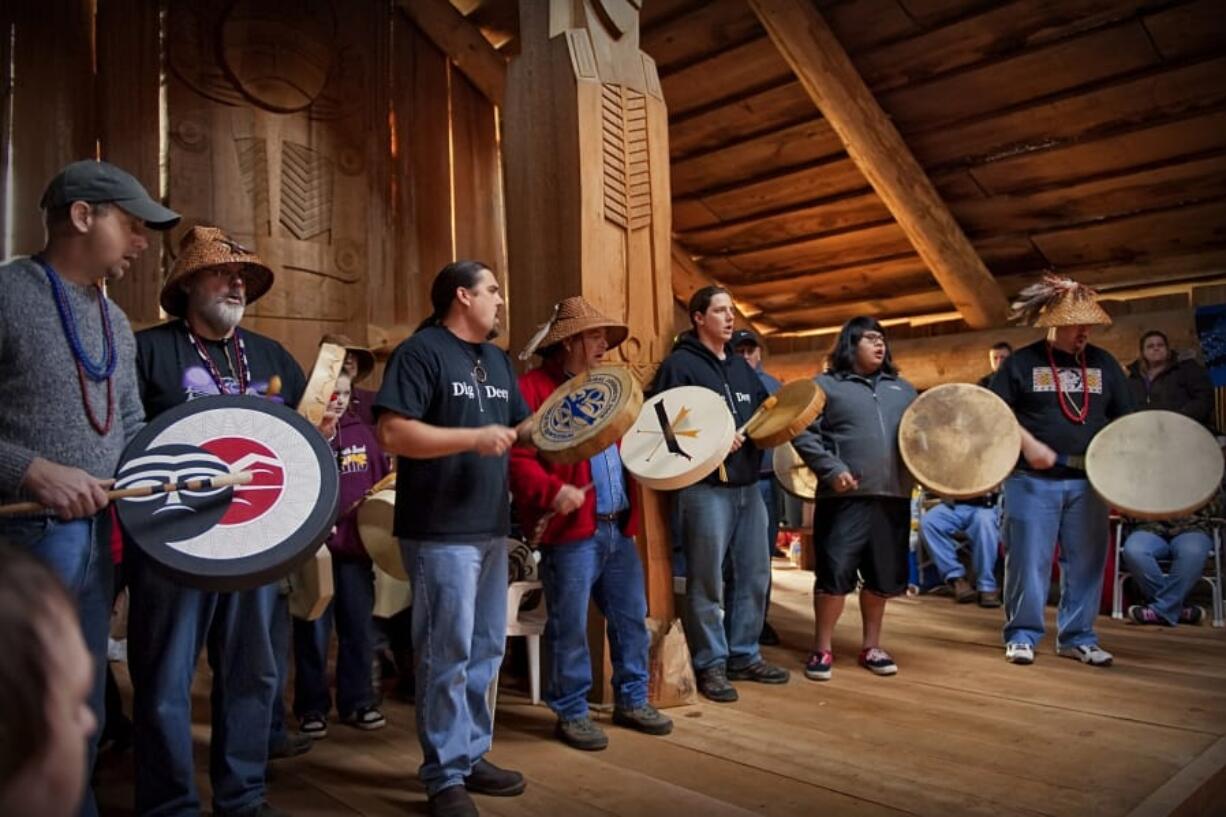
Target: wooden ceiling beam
x,y
827,74
462,42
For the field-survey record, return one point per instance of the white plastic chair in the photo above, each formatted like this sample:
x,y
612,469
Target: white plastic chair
x,y
530,624
1212,574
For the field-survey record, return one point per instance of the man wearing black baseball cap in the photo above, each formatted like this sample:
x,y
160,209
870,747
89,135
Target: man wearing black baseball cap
x,y
68,374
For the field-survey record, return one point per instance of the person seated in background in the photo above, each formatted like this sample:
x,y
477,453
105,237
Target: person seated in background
x,y
1159,379
979,520
997,355
1185,544
46,679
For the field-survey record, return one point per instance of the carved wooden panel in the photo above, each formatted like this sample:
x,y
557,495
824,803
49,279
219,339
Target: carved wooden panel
x,y
270,105
627,168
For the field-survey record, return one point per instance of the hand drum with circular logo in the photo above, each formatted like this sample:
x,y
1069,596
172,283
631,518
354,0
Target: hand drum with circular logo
x,y
680,437
237,537
587,414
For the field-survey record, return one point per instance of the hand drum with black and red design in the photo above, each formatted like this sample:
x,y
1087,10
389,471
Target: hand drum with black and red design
x,y
230,538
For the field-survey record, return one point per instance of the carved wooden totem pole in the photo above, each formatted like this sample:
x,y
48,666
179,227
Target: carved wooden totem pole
x,y
585,144
268,107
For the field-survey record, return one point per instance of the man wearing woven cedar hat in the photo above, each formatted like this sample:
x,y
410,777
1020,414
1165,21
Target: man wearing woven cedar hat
x,y
71,402
589,512
1063,391
202,352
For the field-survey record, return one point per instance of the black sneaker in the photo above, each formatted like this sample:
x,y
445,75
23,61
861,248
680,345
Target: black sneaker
x,y
366,718
760,672
713,684
820,665
453,801
292,745
1193,615
486,778
581,733
645,718
313,725
768,638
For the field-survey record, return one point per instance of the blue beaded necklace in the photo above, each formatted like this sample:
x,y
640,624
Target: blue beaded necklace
x,y
97,372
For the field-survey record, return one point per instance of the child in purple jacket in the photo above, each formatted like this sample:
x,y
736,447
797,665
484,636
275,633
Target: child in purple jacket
x,y
361,464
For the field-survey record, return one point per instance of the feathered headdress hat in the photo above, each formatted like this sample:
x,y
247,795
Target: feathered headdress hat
x,y
1058,301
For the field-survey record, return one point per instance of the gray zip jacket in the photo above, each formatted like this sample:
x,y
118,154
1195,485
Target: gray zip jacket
x,y
858,432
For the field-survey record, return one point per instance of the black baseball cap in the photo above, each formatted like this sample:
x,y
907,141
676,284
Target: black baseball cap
x,y
96,182
742,337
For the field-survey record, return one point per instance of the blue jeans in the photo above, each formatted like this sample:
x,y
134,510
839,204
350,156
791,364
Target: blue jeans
x,y
605,569
168,625
1038,514
459,632
1166,592
352,605
941,522
281,646
79,553
719,521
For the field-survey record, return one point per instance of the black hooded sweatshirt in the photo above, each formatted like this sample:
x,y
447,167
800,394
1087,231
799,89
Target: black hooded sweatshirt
x,y
692,364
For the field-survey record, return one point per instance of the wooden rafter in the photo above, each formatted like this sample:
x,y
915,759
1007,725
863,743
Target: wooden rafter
x,y
827,74
462,42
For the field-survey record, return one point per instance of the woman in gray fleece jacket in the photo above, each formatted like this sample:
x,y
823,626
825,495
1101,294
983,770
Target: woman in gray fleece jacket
x,y
862,522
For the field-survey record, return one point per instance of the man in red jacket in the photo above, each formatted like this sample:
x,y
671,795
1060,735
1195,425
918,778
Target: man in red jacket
x,y
587,549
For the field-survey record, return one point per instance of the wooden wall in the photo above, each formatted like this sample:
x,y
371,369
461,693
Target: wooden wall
x,y
332,137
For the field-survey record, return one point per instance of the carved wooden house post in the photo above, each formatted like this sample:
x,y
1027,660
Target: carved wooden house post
x,y
585,144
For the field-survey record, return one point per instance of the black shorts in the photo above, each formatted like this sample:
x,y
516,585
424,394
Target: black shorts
x,y
861,536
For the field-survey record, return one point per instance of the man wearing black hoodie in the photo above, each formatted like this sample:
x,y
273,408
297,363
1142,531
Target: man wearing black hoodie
x,y
722,516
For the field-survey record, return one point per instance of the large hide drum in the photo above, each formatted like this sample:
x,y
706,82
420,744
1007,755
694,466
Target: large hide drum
x,y
786,413
792,474
1155,465
391,594
375,517
587,414
680,437
237,537
959,441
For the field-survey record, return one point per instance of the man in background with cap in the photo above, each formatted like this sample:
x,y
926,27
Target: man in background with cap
x,y
746,344
199,353
67,371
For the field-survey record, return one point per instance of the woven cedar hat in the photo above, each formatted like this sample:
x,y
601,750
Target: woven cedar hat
x,y
365,357
570,317
210,248
1059,301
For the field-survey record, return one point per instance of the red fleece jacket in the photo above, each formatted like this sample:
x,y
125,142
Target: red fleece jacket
x,y
535,482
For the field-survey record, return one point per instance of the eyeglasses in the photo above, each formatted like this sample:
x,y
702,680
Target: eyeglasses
x,y
873,338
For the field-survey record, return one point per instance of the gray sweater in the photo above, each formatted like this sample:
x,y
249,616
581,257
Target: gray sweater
x,y
41,412
858,432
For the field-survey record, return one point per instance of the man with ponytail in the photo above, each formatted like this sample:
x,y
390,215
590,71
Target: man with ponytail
x,y
450,409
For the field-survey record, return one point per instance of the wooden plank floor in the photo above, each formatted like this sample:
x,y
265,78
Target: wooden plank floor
x,y
957,731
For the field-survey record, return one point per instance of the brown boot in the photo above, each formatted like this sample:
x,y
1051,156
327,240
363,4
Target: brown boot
x,y
963,592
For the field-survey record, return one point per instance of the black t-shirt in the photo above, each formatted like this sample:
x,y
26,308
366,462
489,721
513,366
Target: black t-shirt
x,y
462,497
171,370
1025,381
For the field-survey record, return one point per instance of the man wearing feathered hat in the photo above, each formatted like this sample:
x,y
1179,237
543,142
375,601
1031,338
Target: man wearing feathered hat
x,y
589,512
1063,391
201,352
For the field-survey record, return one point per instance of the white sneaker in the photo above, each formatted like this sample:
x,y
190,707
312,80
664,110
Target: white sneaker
x,y
1019,653
1091,654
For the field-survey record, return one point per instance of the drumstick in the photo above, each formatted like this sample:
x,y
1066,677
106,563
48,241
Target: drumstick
x,y
544,521
767,404
201,484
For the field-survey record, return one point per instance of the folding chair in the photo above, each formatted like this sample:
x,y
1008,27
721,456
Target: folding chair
x,y
1212,573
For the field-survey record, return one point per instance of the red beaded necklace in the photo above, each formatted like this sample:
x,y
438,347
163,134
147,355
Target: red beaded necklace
x,y
101,428
241,372
1065,401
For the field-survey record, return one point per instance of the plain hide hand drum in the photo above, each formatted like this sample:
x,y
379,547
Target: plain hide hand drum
x,y
793,475
959,440
375,517
236,537
586,414
322,382
311,587
1155,465
680,437
786,413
